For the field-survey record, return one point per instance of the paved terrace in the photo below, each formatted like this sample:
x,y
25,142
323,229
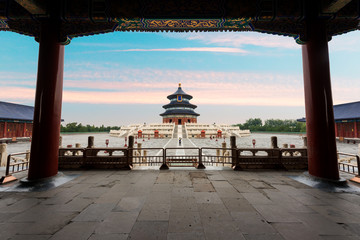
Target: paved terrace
x,y
180,204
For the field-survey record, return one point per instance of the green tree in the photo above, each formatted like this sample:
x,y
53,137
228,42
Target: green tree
x,y
273,125
75,127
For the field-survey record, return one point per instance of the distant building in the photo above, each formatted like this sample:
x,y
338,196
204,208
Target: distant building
x,y
347,120
179,110
179,115
15,120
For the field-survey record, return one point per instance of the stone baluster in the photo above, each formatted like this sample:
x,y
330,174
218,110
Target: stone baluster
x,y
3,154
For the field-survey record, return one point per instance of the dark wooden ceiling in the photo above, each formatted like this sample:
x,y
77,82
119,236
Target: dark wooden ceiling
x,y
88,17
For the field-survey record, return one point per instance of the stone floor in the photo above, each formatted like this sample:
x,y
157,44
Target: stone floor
x,y
180,204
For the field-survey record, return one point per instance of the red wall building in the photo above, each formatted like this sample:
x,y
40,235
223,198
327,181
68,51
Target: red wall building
x,y
15,120
347,120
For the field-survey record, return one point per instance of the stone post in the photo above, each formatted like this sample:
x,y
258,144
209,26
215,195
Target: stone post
x,y
223,145
139,148
3,154
77,145
305,141
27,155
90,142
359,151
285,145
274,142
60,141
276,151
131,141
130,150
233,151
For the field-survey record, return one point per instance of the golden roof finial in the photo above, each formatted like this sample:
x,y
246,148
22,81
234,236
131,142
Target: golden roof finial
x,y
179,85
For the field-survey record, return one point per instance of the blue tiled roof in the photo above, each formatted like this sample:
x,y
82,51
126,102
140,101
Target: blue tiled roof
x,y
179,104
179,92
346,111
12,111
179,112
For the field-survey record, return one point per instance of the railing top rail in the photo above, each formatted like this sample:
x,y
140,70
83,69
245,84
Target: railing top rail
x,y
147,148
349,164
15,154
104,148
349,154
258,149
271,149
69,149
220,148
182,148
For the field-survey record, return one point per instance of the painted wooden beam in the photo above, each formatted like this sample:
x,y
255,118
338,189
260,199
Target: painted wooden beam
x,y
32,6
335,6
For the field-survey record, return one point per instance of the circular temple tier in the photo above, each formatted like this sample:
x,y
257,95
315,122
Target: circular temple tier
x,y
179,110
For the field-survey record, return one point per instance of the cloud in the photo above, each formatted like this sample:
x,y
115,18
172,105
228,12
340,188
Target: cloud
x,y
151,86
345,43
6,76
239,39
188,49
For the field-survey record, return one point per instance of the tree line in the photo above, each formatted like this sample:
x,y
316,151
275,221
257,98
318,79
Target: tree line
x,y
273,125
78,127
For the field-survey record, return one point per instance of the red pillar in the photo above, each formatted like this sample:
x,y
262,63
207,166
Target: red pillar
x,y
355,130
24,130
48,99
336,130
320,122
5,129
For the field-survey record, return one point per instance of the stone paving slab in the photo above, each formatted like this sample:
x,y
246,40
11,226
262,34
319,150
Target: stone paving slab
x,y
180,204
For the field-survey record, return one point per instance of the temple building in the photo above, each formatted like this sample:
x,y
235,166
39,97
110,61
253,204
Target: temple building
x,y
347,120
15,121
179,113
179,110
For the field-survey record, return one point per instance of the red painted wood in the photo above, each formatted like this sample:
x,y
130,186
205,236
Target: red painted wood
x,y
318,104
355,130
336,130
48,100
24,130
5,129
2,129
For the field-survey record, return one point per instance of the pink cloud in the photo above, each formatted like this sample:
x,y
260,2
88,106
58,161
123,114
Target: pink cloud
x,y
151,86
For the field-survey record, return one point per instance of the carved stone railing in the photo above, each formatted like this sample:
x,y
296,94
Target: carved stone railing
x,y
94,158
271,158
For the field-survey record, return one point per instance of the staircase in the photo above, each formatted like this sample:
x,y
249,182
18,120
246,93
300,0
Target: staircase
x,y
175,133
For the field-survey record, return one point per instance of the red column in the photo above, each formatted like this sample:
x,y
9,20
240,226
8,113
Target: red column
x,y
320,122
5,129
24,130
355,130
336,130
48,99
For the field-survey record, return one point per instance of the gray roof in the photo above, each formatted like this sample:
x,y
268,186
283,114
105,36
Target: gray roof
x,y
12,111
179,92
345,111
179,112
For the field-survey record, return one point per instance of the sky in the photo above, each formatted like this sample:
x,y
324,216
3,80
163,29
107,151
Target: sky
x,y
123,78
